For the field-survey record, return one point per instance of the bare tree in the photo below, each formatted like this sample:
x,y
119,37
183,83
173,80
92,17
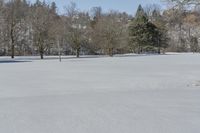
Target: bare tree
x,y
108,32
41,21
77,23
3,29
150,8
15,17
57,33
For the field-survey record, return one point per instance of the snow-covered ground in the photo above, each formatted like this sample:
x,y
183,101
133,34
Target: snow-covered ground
x,y
133,94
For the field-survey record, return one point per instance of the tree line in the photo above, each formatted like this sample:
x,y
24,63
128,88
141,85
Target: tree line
x,y
38,29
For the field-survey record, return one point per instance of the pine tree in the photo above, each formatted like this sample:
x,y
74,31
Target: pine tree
x,y
143,34
141,16
53,7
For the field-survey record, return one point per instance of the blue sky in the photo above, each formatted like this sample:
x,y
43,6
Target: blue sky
x,y
128,6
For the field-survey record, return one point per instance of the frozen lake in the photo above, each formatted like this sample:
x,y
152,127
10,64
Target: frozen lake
x,y
135,94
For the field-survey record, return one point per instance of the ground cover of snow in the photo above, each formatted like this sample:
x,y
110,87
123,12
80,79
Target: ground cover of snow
x,y
131,94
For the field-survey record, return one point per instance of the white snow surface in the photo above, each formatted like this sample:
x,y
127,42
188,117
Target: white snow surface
x,y
132,94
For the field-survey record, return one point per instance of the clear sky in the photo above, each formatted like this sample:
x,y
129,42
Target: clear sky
x,y
128,6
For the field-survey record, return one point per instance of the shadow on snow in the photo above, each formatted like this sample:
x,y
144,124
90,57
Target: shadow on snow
x,y
12,61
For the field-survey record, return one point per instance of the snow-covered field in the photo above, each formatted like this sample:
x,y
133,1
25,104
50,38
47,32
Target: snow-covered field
x,y
133,94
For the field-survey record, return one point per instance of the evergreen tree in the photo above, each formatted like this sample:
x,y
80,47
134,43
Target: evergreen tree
x,y
53,7
140,13
143,34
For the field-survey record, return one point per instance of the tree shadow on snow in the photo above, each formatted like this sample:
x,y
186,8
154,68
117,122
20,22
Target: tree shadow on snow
x,y
139,55
12,61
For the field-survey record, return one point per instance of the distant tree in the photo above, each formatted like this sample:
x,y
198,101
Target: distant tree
x,y
57,34
96,13
3,29
77,23
53,7
150,9
41,21
158,20
182,3
194,45
15,17
107,33
143,34
176,16
37,28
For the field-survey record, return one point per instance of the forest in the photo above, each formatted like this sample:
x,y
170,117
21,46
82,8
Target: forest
x,y
37,29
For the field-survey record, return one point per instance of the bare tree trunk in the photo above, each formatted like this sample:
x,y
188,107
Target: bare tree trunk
x,y
59,50
180,34
41,56
139,49
12,44
159,47
78,52
12,25
12,51
110,52
41,51
78,49
189,32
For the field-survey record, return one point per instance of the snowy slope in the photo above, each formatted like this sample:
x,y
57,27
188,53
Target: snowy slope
x,y
136,94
